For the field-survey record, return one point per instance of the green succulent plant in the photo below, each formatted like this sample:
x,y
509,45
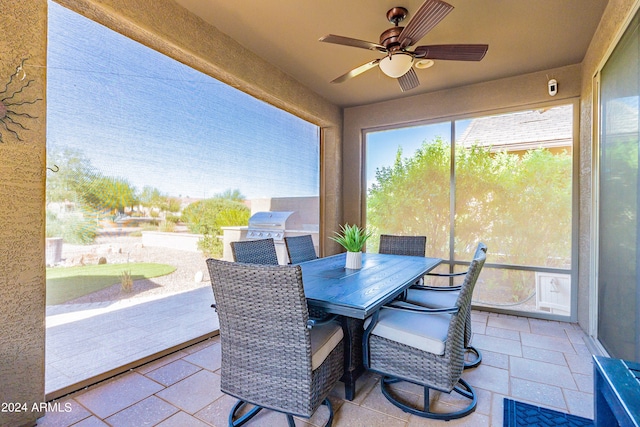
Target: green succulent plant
x,y
351,237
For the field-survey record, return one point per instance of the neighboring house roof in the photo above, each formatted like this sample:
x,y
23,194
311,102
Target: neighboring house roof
x,y
552,127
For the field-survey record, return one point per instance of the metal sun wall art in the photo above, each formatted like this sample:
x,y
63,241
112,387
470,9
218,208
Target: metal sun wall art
x,y
12,115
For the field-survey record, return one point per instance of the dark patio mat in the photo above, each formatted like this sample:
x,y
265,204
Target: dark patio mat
x,y
519,414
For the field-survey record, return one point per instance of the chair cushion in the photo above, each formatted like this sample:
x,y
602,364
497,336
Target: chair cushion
x,y
432,299
324,339
426,332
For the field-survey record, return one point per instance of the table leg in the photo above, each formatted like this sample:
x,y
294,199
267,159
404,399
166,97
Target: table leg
x,y
353,367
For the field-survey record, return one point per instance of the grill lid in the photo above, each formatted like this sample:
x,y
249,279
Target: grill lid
x,y
271,224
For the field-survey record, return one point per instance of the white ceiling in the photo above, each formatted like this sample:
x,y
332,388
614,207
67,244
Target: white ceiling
x,y
524,36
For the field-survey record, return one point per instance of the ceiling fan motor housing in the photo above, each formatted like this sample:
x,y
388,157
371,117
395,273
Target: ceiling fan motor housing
x,y
389,38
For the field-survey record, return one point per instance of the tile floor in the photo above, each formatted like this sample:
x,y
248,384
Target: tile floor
x,y
541,362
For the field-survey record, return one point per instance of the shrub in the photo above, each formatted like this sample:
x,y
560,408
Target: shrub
x,y
172,218
167,226
126,281
211,246
77,228
150,227
209,215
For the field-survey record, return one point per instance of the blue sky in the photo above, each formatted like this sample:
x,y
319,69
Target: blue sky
x,y
140,115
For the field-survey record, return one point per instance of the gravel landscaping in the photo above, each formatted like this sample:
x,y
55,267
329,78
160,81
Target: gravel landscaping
x,y
191,271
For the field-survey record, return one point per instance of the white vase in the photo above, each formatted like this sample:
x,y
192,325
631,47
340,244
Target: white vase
x,y
354,260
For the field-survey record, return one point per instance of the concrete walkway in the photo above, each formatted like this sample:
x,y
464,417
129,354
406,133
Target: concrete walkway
x,y
85,341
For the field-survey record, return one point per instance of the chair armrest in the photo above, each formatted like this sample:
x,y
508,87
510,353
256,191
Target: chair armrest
x,y
406,306
436,288
315,321
446,274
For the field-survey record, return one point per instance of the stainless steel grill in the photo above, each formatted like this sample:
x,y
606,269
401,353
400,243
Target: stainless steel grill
x,y
272,224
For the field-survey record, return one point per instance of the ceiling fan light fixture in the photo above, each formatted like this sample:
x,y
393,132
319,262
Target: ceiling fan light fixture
x,y
424,63
396,65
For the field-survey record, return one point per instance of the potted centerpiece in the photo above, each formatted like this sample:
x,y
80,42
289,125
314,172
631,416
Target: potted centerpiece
x,y
352,238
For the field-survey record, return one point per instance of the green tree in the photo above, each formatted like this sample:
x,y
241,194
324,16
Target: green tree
x,y
151,197
230,194
171,204
519,204
108,193
73,169
412,197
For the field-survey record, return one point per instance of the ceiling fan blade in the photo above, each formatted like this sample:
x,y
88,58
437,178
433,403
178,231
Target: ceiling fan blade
x,y
453,52
356,71
426,17
408,80
348,41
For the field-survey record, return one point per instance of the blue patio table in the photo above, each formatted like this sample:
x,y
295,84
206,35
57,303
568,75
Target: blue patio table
x,y
356,294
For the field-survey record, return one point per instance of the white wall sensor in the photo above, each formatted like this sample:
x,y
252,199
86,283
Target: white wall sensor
x,y
553,87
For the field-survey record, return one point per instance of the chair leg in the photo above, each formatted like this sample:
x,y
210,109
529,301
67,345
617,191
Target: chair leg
x,y
328,404
463,388
233,422
329,422
476,360
244,418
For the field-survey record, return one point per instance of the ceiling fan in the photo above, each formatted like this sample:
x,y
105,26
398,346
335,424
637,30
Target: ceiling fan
x,y
398,61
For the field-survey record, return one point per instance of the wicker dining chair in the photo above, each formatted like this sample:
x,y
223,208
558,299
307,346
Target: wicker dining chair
x,y
273,356
423,346
300,248
445,296
261,251
392,244
402,245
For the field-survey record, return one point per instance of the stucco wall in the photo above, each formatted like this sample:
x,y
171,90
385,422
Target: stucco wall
x,y
22,174
610,25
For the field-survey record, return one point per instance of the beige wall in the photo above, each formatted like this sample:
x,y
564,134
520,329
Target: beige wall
x,y
22,174
610,26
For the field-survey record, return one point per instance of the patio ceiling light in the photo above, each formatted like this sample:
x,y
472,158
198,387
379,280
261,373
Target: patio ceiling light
x,y
396,65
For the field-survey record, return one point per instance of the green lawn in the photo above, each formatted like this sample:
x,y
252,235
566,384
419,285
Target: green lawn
x,y
67,283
